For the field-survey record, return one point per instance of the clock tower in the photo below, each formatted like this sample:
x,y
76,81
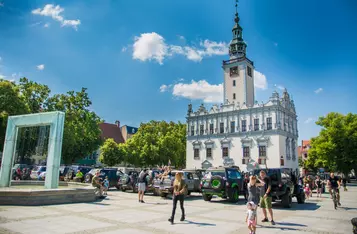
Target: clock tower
x,y
238,70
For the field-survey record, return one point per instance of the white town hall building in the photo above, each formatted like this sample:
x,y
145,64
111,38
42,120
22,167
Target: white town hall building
x,y
242,131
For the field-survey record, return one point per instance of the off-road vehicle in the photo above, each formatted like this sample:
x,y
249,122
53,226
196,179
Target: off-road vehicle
x,y
284,185
113,176
224,182
129,181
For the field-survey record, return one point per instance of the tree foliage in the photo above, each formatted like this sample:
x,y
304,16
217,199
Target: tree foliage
x,y
155,143
81,134
336,146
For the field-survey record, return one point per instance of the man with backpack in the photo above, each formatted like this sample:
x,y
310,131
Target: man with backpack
x,y
142,184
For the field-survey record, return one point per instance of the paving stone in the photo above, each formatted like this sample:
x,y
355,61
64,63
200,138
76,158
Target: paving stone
x,y
126,231
63,224
26,212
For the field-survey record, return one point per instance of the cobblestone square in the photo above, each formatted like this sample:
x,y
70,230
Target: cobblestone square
x,y
121,213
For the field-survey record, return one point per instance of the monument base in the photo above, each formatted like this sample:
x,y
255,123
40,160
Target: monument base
x,y
22,194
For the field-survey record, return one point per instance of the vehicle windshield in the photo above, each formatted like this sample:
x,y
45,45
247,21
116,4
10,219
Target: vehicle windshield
x,y
40,168
214,173
234,174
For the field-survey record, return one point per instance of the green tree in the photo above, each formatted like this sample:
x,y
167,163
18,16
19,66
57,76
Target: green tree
x,y
110,153
81,135
34,94
336,146
157,143
11,103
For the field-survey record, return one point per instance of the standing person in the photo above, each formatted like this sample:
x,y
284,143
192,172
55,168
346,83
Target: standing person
x,y
251,218
318,183
265,197
344,183
245,186
253,190
106,185
142,185
180,188
335,185
307,191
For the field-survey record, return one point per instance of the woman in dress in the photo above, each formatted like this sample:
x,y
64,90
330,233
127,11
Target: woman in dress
x,y
318,183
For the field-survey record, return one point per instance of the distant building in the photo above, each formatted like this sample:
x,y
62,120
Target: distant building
x,y
304,149
108,130
128,131
242,131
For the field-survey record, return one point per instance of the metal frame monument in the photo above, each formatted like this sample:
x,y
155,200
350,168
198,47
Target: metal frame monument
x,y
56,121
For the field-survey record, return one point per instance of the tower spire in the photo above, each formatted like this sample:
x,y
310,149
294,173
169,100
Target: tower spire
x,y
237,46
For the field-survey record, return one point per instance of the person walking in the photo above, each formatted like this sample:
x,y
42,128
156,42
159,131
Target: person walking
x,y
142,185
265,197
251,218
245,187
344,183
180,188
318,183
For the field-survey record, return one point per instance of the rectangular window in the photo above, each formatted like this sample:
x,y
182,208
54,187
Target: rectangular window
x,y
192,130
269,123
262,151
201,129
211,128
234,83
246,152
233,71
221,128
196,153
233,126
249,69
245,161
262,161
244,125
209,153
234,96
256,124
225,152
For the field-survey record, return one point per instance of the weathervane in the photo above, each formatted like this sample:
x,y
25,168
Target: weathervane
x,y
236,6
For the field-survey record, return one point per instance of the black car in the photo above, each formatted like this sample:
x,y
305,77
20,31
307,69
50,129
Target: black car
x,y
225,182
284,185
113,175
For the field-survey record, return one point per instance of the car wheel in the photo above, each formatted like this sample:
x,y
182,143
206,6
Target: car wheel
x,y
234,196
123,189
206,197
163,194
300,198
286,200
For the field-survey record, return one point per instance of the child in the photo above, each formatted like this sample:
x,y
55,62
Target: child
x,y
251,218
307,191
106,185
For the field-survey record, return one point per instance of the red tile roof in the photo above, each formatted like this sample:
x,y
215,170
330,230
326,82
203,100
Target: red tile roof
x,y
111,131
305,142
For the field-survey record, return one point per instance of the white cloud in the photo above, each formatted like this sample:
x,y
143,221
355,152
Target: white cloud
x,y
2,76
0,59
163,88
199,90
319,90
47,25
123,49
279,87
55,13
181,37
40,67
35,24
152,46
309,120
260,80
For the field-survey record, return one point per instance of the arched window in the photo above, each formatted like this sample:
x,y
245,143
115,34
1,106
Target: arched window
x,y
234,96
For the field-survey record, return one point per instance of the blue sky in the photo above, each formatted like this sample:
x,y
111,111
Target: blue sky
x,y
125,51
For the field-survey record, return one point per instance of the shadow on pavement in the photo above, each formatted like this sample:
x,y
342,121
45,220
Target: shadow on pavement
x,y
296,206
347,208
281,228
290,224
198,224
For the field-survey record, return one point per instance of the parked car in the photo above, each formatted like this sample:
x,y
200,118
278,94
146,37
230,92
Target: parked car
x,y
72,171
63,172
112,173
36,172
284,185
129,181
165,187
224,182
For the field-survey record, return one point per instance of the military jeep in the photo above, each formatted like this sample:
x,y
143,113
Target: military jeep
x,y
224,182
